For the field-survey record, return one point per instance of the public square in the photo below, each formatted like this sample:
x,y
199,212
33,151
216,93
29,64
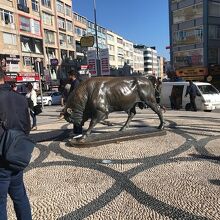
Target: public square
x,y
174,176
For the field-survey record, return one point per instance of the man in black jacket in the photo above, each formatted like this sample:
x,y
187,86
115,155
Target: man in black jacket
x,y
192,91
14,115
73,77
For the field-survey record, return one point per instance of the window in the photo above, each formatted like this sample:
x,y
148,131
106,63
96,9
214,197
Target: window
x,y
47,19
27,61
110,37
35,6
49,37
78,31
214,31
25,24
60,7
61,23
36,27
111,47
69,39
26,45
22,2
68,10
38,47
62,39
9,38
188,13
214,9
208,89
69,26
190,36
63,54
46,3
6,16
120,41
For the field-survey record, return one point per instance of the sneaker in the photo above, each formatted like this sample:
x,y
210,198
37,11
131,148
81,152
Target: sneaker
x,y
34,128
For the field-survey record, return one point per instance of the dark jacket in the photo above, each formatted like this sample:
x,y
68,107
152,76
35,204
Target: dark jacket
x,y
74,84
192,90
13,111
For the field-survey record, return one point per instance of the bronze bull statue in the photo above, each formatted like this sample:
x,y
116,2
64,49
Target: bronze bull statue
x,y
96,97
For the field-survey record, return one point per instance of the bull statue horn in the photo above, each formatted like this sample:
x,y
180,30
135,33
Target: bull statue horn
x,y
69,110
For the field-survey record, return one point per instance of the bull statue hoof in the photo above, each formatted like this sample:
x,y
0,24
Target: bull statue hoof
x,y
161,127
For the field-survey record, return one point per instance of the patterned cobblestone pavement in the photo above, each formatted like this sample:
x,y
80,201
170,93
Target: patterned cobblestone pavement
x,y
176,176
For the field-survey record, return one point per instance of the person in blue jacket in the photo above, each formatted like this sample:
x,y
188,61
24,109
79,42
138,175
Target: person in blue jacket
x,y
192,91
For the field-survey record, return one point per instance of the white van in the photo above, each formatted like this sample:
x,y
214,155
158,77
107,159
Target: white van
x,y
173,96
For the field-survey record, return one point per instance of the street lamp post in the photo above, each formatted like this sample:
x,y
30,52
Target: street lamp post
x,y
96,33
96,39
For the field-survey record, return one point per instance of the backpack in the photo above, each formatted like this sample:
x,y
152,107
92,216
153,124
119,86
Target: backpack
x,y
16,148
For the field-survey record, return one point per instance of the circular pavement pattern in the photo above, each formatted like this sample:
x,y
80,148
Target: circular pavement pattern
x,y
176,176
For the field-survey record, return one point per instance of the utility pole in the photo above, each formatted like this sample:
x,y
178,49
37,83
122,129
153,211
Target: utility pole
x,y
96,39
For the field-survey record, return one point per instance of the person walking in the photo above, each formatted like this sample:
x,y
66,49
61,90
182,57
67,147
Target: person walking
x,y
192,91
74,82
32,102
14,114
158,88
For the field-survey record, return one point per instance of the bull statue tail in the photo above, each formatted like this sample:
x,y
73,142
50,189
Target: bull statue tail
x,y
155,107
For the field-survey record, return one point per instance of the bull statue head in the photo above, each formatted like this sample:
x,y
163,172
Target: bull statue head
x,y
68,115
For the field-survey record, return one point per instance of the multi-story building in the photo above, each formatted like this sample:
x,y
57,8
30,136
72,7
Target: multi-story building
x,y
35,33
66,41
195,39
128,53
80,25
150,59
101,34
111,42
9,43
161,66
138,57
22,39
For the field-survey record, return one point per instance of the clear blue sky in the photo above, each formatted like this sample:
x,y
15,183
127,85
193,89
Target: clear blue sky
x,y
140,21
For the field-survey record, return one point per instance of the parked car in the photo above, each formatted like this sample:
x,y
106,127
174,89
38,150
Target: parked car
x,y
50,98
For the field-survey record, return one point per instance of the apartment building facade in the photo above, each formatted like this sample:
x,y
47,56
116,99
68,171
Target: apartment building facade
x,y
195,39
80,28
9,44
138,64
35,33
128,52
150,59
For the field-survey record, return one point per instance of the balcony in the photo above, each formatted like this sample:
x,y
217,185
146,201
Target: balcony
x,y
23,8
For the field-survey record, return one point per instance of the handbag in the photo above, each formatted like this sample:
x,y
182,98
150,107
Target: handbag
x,y
16,148
37,109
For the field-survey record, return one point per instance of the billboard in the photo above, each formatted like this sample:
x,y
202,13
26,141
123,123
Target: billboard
x,y
91,61
104,62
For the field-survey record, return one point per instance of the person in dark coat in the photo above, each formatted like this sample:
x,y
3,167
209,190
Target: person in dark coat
x,y
74,82
14,114
192,91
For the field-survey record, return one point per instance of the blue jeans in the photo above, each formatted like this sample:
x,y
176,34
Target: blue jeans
x,y
34,118
11,182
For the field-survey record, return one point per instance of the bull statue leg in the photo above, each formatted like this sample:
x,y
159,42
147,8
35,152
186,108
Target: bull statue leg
x,y
154,106
99,116
131,114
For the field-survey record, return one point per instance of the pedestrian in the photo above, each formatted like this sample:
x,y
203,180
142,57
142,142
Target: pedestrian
x,y
74,82
192,91
65,93
32,103
14,87
158,88
15,115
